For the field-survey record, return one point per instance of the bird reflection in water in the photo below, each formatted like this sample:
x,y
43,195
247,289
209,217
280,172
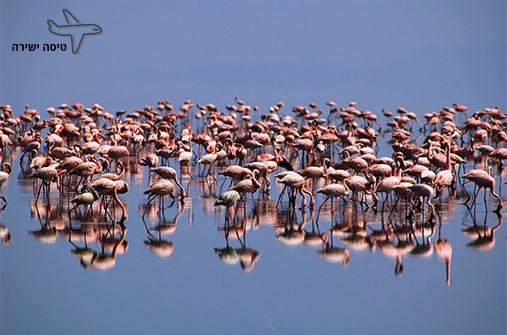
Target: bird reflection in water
x,y
83,234
397,242
443,248
313,237
290,232
162,247
111,244
483,236
422,234
5,235
384,239
355,232
332,253
247,257
48,232
266,212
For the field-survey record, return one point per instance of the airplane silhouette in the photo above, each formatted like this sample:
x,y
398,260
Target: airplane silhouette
x,y
74,29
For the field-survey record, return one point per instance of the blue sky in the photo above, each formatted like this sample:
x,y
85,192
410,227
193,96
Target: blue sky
x,y
422,55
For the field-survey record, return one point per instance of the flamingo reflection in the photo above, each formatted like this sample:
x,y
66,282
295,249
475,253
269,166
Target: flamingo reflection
x,y
5,235
247,257
159,246
47,233
105,260
485,239
291,233
85,253
443,249
332,253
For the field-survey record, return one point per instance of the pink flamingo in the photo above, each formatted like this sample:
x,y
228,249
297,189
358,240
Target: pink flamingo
x,y
444,177
484,180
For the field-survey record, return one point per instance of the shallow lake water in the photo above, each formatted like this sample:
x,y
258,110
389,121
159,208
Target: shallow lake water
x,y
185,272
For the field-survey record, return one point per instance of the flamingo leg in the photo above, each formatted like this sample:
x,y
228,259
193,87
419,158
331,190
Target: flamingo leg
x,y
320,207
150,199
281,195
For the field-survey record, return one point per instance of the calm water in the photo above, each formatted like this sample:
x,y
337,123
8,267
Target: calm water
x,y
274,276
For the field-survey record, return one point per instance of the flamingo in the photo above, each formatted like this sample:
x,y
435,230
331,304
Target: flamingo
x,y
47,174
57,152
264,171
500,154
169,173
116,152
86,169
121,187
106,186
150,160
236,172
159,189
444,177
485,151
39,161
296,182
337,174
248,185
114,176
313,173
332,191
208,159
437,159
387,184
88,148
402,190
358,184
184,157
484,180
86,198
423,191
379,170
228,199
5,173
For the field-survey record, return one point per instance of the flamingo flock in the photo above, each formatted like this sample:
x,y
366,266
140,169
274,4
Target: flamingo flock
x,y
81,153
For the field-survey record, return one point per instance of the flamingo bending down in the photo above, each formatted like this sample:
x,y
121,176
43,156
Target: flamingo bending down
x,y
228,199
295,182
169,173
484,180
423,191
358,184
248,185
86,198
47,174
332,191
106,186
159,189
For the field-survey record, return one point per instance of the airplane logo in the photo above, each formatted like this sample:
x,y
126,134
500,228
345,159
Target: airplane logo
x,y
74,29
